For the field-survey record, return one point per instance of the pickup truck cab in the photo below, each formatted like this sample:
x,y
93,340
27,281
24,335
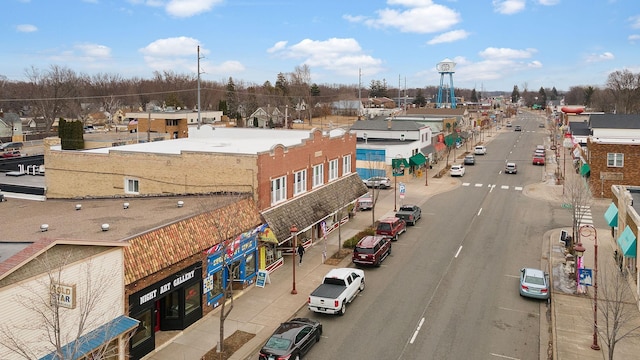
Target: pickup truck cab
x,y
391,227
409,213
339,287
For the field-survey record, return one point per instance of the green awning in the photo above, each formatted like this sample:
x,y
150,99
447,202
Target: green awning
x,y
611,215
585,169
396,163
627,243
417,159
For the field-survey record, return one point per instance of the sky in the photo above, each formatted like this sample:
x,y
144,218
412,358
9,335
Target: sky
x,y
495,44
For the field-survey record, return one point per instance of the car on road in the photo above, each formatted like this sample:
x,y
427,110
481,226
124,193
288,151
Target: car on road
x,y
339,287
511,168
371,250
541,125
517,128
538,159
480,150
292,340
457,170
391,227
298,121
378,182
11,154
365,202
469,160
534,283
409,213
16,145
508,123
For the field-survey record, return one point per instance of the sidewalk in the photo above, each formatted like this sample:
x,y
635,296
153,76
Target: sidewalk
x,y
260,310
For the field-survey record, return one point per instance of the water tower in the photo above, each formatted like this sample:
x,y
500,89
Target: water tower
x,y
445,67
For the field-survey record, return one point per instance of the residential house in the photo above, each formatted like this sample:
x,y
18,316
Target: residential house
x,y
170,121
435,117
10,127
347,108
266,118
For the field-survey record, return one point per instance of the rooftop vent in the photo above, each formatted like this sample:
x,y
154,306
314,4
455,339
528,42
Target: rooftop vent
x,y
180,203
125,205
44,227
105,227
78,207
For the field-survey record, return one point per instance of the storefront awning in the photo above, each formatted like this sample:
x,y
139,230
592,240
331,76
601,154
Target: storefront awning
x,y
611,215
440,146
584,170
417,159
429,149
627,243
84,345
267,235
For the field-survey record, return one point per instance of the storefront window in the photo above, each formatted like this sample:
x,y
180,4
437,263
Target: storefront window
x,y
144,328
192,299
214,285
250,265
235,270
172,305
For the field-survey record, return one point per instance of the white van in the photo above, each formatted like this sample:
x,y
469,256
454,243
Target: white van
x,y
480,150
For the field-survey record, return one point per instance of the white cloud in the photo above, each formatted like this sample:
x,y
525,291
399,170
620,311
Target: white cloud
x,y
94,51
26,28
448,37
280,45
548,2
508,7
635,22
188,8
417,16
171,47
506,53
342,56
634,38
605,56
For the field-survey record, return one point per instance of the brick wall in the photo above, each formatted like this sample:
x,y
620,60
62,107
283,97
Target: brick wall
x,y
629,174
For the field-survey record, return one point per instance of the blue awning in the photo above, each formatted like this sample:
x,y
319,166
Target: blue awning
x,y
627,242
96,338
611,215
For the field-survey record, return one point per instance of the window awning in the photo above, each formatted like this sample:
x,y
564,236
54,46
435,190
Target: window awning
x,y
627,242
585,169
417,159
611,215
87,343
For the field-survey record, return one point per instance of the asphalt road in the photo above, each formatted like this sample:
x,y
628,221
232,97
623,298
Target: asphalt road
x,y
449,290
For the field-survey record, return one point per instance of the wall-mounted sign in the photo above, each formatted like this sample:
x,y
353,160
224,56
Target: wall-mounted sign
x,y
63,295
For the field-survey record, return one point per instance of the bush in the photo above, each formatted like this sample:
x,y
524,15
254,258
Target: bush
x,y
351,242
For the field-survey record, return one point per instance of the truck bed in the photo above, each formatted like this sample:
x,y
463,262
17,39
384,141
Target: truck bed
x,y
328,291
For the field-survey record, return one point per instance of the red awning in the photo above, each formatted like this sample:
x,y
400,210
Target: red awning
x,y
440,146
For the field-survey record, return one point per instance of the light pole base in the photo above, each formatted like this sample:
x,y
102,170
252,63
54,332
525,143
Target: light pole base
x,y
294,292
595,347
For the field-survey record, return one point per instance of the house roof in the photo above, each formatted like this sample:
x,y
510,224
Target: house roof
x,y
383,125
436,112
579,128
614,121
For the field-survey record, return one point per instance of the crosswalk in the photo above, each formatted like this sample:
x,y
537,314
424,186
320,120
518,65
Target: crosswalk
x,y
584,215
493,186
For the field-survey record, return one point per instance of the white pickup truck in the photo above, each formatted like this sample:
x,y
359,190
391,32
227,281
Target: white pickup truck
x,y
339,287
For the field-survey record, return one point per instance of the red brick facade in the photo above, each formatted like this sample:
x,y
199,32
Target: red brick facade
x,y
603,176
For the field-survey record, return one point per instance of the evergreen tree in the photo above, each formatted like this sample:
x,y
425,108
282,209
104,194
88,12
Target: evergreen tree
x,y
419,100
474,96
315,90
71,134
515,94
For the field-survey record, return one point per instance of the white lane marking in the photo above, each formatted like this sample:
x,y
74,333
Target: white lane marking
x,y
478,185
492,187
479,212
518,188
458,252
504,356
415,333
504,187
465,184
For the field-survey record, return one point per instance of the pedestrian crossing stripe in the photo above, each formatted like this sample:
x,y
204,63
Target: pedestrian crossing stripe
x,y
502,187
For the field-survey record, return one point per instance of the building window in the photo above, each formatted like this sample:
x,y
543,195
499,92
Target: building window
x,y
249,265
300,182
192,299
615,160
333,169
171,122
132,186
144,329
278,190
318,175
346,164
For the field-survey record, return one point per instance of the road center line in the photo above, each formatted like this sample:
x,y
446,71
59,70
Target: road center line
x,y
479,212
504,356
458,252
415,333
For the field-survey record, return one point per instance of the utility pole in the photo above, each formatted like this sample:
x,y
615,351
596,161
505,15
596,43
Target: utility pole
x,y
360,92
199,118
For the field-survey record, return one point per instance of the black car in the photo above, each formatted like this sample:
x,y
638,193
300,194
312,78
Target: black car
x,y
292,340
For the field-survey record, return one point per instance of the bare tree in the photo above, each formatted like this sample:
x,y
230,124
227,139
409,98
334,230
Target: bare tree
x,y
50,321
52,90
618,309
625,87
578,196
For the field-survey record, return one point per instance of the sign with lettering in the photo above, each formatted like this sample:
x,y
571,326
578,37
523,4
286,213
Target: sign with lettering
x,y
161,288
262,279
63,295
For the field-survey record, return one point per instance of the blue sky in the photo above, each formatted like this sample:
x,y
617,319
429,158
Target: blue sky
x,y
495,44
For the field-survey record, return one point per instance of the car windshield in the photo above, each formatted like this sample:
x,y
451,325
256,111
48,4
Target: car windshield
x,y
534,280
278,343
384,226
362,250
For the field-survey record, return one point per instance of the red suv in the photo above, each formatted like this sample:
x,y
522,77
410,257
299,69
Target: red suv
x,y
371,250
391,227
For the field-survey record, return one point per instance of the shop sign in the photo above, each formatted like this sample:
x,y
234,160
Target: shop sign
x,y
167,285
63,295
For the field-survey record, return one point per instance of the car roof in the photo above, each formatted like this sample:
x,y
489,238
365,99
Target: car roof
x,y
534,272
389,219
369,241
340,272
511,164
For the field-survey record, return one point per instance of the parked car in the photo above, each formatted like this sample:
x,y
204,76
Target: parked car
x,y
16,145
540,147
538,159
469,160
365,202
371,250
409,213
291,340
480,150
11,154
511,168
541,125
534,283
298,121
378,182
391,227
539,152
517,128
339,287
508,124
457,170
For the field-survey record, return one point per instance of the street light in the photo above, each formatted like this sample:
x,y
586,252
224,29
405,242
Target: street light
x,y
294,234
587,231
